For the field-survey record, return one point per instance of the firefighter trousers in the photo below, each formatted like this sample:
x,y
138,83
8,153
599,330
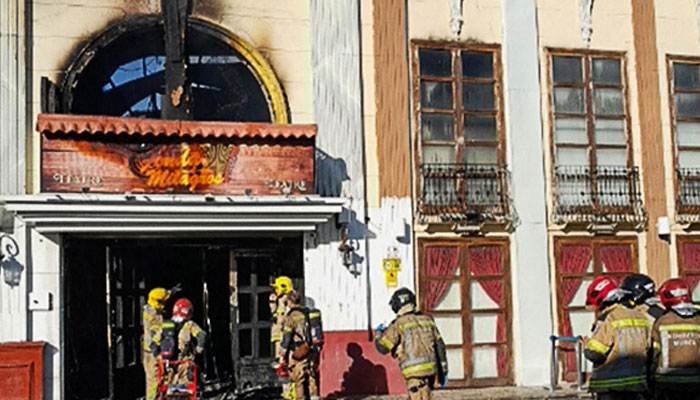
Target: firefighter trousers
x,y
420,388
304,375
623,396
664,394
150,367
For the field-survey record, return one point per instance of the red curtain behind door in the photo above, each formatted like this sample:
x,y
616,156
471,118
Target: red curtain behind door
x,y
691,264
574,260
440,261
616,258
486,261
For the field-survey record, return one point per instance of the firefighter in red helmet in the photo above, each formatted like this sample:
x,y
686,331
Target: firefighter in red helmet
x,y
619,343
191,339
676,338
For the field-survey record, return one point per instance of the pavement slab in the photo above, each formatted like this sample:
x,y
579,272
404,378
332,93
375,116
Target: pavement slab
x,y
494,393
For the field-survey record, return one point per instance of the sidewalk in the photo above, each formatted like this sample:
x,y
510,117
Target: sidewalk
x,y
494,393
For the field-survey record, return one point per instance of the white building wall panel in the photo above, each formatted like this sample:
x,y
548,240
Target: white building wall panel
x,y
46,324
390,227
339,291
13,126
13,296
532,323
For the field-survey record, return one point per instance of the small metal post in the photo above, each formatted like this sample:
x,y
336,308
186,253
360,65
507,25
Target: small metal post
x,y
579,363
553,370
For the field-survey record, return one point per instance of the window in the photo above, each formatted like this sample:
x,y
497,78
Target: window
x,y
685,100
458,115
116,78
589,111
465,287
459,107
578,262
590,134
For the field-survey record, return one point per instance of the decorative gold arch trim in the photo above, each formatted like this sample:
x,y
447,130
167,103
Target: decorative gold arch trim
x,y
262,70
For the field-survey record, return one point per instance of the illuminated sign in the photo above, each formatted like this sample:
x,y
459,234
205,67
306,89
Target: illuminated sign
x,y
232,167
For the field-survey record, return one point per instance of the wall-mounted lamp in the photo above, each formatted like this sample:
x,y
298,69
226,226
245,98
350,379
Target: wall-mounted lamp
x,y
11,268
345,247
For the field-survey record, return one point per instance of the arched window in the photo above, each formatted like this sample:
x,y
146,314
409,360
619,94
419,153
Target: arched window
x,y
122,73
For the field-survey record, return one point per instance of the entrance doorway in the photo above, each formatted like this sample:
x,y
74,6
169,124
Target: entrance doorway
x,y
106,283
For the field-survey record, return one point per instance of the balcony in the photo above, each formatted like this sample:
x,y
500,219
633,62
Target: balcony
x,y
599,196
464,194
688,197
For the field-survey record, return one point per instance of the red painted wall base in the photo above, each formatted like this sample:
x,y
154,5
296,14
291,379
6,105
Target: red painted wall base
x,y
351,365
21,371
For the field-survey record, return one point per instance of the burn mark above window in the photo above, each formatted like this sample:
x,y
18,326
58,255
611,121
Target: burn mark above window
x,y
125,77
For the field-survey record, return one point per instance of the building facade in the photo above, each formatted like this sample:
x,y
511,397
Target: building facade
x,y
493,155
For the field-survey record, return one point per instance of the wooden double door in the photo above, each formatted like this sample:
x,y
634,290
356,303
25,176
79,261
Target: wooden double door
x,y
579,260
464,284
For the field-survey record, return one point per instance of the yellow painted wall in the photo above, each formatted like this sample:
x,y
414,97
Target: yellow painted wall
x,y
430,20
676,34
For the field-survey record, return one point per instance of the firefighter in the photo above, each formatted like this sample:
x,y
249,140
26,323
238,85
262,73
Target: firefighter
x,y
190,339
413,339
300,354
278,309
676,338
619,344
152,323
643,295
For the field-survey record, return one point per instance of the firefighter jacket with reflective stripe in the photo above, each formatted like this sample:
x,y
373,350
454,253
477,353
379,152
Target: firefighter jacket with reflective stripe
x,y
190,333
294,330
152,321
278,309
652,312
414,340
618,350
677,351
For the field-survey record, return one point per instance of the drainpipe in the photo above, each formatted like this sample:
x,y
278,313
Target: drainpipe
x,y
364,174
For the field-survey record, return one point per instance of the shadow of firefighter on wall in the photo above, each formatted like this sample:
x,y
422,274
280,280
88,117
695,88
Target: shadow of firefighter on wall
x,y
363,376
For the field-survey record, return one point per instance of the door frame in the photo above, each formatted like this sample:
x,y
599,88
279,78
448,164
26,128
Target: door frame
x,y
595,243
463,245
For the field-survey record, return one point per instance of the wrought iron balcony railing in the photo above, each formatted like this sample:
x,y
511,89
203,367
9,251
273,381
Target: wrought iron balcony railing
x,y
464,193
688,197
602,194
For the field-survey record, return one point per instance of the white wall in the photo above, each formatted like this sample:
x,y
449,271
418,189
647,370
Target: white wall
x,y
13,120
40,259
339,291
531,297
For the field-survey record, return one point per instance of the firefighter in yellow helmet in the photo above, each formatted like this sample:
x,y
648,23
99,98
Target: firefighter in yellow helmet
x,y
152,321
278,309
300,355
414,340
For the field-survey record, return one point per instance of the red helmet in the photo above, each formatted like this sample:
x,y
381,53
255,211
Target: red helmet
x,y
598,290
183,309
674,291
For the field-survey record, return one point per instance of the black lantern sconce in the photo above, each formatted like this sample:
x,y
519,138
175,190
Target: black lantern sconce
x,y
345,247
11,268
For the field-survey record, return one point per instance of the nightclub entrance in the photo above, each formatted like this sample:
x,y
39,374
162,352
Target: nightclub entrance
x,y
106,283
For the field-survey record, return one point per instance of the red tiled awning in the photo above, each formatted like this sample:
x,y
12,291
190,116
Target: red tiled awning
x,y
91,124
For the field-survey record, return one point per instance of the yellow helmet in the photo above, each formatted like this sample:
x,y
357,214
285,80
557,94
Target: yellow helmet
x,y
283,285
157,297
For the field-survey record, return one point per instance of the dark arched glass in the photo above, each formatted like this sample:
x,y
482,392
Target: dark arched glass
x,y
125,77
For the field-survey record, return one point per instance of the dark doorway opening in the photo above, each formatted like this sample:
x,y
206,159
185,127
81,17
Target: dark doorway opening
x,y
106,284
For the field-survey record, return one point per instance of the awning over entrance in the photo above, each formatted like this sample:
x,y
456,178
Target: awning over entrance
x,y
105,213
